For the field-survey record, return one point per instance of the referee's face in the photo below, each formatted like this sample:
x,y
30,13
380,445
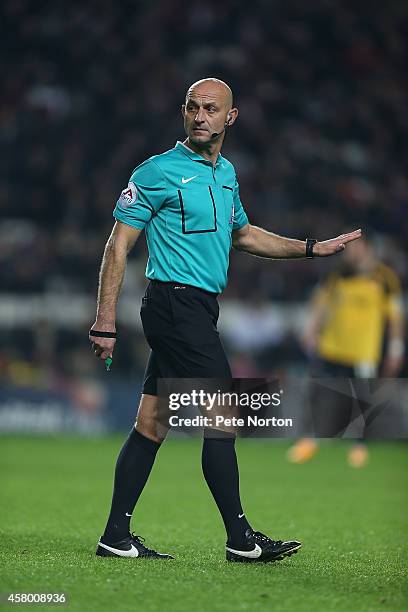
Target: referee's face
x,y
206,111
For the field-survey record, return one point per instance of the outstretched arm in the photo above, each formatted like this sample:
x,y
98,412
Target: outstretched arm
x,y
111,275
259,242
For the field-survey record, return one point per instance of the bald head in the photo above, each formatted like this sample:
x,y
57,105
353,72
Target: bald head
x,y
212,87
208,111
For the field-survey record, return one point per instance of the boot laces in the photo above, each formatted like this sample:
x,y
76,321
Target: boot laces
x,y
140,542
261,537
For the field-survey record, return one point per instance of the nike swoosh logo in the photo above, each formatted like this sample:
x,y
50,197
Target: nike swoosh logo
x,y
184,181
251,554
241,515
132,552
127,514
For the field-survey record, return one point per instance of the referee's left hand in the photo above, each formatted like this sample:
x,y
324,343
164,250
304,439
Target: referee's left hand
x,y
102,347
335,245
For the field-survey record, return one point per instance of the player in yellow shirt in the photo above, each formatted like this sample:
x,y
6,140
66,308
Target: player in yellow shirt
x,y
352,313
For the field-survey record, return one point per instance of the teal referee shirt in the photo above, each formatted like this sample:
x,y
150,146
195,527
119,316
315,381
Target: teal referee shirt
x,y
188,208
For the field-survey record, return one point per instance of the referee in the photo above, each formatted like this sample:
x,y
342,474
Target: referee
x,y
187,201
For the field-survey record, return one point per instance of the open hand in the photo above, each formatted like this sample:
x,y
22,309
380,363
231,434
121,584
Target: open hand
x,y
335,245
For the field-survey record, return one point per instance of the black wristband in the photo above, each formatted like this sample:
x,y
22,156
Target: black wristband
x,y
102,334
310,242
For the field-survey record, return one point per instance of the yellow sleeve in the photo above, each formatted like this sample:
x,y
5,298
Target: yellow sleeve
x,y
394,309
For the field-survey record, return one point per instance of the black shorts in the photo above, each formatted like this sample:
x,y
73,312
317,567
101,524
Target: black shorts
x,y
180,324
321,368
334,407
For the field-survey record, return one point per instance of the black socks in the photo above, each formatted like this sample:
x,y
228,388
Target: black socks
x,y
220,468
133,467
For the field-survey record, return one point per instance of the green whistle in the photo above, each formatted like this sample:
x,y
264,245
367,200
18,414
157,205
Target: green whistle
x,y
108,363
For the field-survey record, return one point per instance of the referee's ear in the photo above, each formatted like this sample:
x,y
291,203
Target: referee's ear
x,y
232,116
183,110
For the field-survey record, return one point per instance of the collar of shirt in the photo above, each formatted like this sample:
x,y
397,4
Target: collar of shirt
x,y
195,156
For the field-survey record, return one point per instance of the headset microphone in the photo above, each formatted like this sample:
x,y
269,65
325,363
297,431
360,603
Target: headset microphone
x,y
226,124
215,134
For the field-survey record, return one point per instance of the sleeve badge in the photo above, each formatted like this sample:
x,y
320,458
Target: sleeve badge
x,y
128,196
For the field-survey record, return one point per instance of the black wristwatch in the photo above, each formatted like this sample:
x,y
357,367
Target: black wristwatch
x,y
310,242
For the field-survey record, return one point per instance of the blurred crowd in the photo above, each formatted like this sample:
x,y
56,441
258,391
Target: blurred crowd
x,y
90,90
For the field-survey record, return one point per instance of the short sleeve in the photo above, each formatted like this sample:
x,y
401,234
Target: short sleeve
x,y
240,218
143,197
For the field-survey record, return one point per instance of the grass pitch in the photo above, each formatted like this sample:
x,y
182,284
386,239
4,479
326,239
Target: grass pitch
x,y
55,494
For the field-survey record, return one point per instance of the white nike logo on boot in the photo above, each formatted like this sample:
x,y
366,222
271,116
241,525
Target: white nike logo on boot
x,y
132,552
251,554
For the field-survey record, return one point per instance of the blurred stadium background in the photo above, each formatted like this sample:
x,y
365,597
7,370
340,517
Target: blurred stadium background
x,y
91,89
88,93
